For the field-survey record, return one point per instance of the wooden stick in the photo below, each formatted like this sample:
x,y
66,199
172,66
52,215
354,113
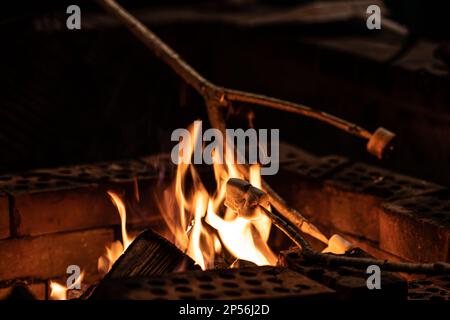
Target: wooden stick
x,y
362,263
356,262
288,230
220,95
216,98
291,215
149,254
257,99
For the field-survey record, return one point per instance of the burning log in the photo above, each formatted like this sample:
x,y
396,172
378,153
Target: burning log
x,y
239,264
149,254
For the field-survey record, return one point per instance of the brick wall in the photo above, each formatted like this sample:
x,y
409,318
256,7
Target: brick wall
x,y
387,214
50,219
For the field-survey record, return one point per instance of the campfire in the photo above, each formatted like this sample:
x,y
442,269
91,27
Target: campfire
x,y
227,226
199,223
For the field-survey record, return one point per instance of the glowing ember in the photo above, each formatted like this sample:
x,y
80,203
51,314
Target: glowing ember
x,y
198,223
59,291
115,249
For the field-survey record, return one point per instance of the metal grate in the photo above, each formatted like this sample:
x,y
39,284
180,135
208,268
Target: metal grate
x,y
224,284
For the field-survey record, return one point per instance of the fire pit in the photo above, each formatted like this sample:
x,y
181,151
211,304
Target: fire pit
x,y
135,189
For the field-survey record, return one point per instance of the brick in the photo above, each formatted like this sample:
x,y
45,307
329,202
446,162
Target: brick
x,y
48,256
366,202
68,198
81,175
37,289
325,202
301,184
292,154
251,283
301,193
373,249
356,192
384,184
430,288
353,213
4,217
313,167
64,210
346,198
416,228
35,181
332,207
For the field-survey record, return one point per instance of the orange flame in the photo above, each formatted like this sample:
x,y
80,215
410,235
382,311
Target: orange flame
x,y
115,249
197,222
59,291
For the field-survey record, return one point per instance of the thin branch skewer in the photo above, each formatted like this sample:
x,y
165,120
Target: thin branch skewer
x,y
356,262
224,96
215,99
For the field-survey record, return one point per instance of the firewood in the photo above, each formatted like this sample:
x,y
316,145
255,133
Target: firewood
x,y
240,263
149,254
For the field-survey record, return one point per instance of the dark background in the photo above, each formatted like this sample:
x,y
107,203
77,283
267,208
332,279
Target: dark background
x,y
69,97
